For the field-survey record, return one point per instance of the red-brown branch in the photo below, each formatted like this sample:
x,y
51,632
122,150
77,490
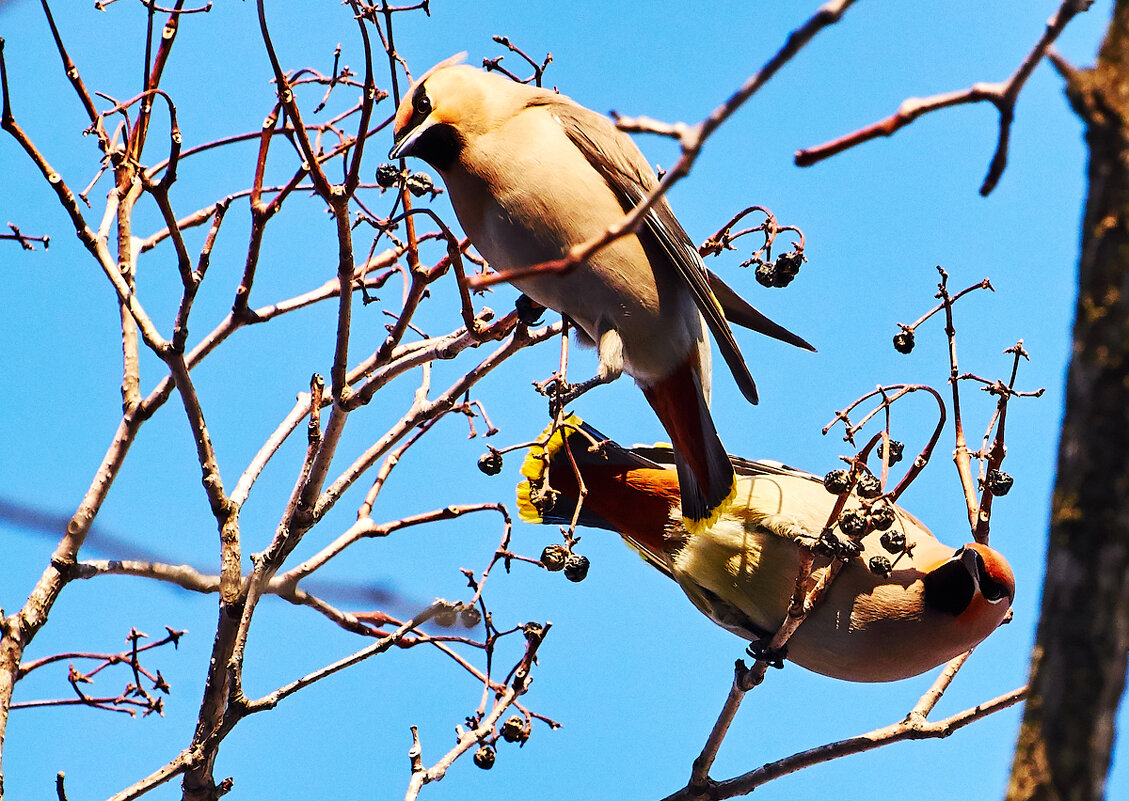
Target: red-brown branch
x,y
1003,95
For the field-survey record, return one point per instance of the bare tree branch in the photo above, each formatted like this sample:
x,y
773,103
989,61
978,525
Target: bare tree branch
x,y
1002,95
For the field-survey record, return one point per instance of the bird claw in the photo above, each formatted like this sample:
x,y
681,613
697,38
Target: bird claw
x,y
561,393
529,311
762,652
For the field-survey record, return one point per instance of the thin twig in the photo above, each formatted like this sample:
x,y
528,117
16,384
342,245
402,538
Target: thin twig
x,y
1002,95
690,138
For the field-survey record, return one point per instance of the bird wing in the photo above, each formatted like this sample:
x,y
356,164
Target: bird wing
x,y
631,178
663,455
762,467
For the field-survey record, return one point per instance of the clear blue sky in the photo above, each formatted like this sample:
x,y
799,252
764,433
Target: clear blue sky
x,y
631,669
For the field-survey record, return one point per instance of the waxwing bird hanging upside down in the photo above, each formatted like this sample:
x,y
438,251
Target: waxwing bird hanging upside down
x,y
930,604
530,174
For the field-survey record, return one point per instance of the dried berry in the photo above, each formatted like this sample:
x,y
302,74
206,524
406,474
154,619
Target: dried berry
x,y
882,517
896,449
576,567
554,557
788,267
781,279
514,730
542,497
490,463
533,632
868,486
827,544
766,274
837,482
999,482
447,615
894,541
903,341
419,183
387,175
880,565
555,405
484,757
852,523
470,617
834,547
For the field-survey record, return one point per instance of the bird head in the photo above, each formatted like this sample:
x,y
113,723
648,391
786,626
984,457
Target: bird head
x,y
448,105
975,585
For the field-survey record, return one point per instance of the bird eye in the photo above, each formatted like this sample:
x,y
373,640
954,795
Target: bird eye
x,y
992,590
421,103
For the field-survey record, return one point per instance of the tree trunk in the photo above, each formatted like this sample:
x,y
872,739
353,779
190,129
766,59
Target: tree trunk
x,y
1079,661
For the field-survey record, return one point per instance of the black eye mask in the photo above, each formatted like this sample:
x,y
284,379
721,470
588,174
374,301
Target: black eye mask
x,y
421,107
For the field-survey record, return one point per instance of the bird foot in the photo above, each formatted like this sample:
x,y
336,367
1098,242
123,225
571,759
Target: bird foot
x,y
561,393
529,311
761,651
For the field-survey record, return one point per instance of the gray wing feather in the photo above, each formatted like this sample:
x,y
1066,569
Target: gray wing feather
x,y
740,311
630,178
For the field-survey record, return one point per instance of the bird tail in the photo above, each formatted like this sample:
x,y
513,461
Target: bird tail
x,y
560,455
623,492
705,475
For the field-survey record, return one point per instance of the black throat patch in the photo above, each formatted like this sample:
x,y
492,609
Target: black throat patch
x,y
949,588
440,146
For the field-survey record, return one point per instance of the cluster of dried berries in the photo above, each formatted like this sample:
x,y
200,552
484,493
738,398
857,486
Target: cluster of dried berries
x,y
418,183
780,273
450,614
516,729
557,557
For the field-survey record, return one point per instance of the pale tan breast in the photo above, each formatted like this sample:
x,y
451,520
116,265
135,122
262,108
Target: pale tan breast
x,y
529,204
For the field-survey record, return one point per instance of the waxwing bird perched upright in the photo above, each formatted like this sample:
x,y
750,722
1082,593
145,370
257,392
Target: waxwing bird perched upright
x,y
929,603
530,174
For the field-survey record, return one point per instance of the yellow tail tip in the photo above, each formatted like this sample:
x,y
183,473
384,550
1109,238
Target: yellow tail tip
x,y
527,512
547,446
536,462
698,526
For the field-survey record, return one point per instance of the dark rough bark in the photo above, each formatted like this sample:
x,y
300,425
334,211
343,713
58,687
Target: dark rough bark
x,y
1078,665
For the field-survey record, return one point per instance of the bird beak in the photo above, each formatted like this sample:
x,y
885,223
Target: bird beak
x,y
986,583
404,146
972,563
